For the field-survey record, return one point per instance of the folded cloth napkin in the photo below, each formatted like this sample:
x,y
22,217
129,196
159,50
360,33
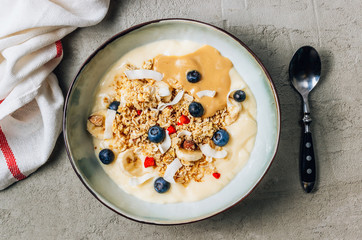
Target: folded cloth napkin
x,y
31,101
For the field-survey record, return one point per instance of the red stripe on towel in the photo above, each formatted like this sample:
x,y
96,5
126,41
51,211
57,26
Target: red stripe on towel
x,y
10,158
59,47
2,100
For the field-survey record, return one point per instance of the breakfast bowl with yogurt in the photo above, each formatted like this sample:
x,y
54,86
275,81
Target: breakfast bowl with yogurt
x,y
171,122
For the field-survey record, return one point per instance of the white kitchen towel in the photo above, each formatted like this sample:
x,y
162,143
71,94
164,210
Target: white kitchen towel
x,y
31,101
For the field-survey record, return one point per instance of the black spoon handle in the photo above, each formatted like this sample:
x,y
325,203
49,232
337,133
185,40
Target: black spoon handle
x,y
307,159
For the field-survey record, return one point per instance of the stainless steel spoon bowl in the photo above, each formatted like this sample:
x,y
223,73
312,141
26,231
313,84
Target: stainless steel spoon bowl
x,y
304,73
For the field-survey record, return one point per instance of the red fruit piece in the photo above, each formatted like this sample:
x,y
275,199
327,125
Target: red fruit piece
x,y
216,175
139,112
183,120
149,162
171,129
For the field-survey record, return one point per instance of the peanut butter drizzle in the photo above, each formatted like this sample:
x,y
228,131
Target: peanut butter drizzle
x,y
214,70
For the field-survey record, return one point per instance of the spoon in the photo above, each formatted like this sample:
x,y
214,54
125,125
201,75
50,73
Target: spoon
x,y
304,73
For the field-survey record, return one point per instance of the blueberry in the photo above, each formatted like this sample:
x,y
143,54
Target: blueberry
x,y
156,134
193,76
106,156
161,185
221,137
114,105
239,96
196,109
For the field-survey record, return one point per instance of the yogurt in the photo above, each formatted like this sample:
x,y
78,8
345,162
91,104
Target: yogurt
x,y
242,132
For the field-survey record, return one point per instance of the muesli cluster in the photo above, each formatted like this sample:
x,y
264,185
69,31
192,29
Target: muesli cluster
x,y
151,125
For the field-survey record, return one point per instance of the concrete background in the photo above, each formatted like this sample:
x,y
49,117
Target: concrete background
x,y
53,204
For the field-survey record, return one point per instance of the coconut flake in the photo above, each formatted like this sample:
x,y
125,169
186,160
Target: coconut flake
x,y
163,89
188,97
210,152
161,106
209,159
171,169
123,101
134,181
176,99
207,93
142,74
110,116
165,145
150,89
104,144
164,92
184,133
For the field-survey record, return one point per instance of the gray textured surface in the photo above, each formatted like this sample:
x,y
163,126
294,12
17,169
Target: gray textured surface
x,y
53,204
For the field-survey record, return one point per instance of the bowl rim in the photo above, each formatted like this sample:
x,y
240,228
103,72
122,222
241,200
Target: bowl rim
x,y
135,27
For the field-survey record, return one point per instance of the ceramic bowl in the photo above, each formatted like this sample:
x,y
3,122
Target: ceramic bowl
x,y
79,143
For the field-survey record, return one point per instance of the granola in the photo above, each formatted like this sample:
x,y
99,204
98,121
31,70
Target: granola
x,y
138,111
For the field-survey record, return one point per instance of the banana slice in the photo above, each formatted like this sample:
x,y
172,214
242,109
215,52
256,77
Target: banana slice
x,y
234,111
187,155
95,124
130,164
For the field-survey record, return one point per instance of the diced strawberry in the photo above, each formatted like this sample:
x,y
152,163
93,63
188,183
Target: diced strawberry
x,y
149,162
139,112
183,120
171,129
216,175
